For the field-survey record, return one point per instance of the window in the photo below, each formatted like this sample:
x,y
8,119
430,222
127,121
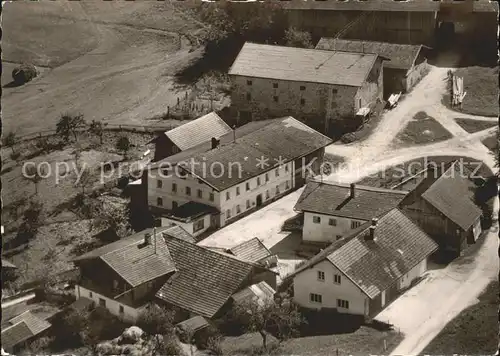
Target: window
x,y
342,303
174,187
249,96
115,284
321,276
287,185
228,214
339,237
198,225
332,222
159,184
237,190
211,196
315,298
359,104
275,99
188,190
336,278
286,167
277,189
258,180
228,195
200,181
267,177
248,204
121,309
248,186
91,294
159,201
277,171
316,219
200,193
249,82
275,85
238,210
174,205
302,87
355,224
302,101
334,91
102,302
267,194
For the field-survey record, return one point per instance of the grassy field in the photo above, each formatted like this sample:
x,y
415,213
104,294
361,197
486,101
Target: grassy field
x,y
491,142
474,331
394,175
363,341
422,130
111,61
481,85
472,126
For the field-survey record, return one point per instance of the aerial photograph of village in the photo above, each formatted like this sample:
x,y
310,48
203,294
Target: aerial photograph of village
x,y
250,177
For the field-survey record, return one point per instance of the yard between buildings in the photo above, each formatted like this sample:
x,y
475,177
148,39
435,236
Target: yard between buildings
x,y
481,85
473,331
423,129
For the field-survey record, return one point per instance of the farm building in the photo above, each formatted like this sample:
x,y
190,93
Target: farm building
x,y
369,268
22,329
214,184
333,210
443,204
405,65
189,135
163,265
315,86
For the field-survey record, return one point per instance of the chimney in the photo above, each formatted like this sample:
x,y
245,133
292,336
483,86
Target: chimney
x,y
353,190
215,143
373,227
234,133
147,239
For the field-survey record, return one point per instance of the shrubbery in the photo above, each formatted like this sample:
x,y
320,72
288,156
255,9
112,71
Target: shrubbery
x,y
24,73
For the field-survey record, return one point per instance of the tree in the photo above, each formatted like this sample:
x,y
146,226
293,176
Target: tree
x,y
34,175
10,140
280,318
156,320
110,217
24,73
96,129
68,125
84,179
123,144
297,38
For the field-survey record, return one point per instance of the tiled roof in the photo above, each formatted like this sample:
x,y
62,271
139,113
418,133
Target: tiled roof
x,y
303,65
16,334
400,55
198,131
376,265
135,262
371,5
194,324
180,233
252,250
204,280
191,211
262,291
34,323
334,199
453,195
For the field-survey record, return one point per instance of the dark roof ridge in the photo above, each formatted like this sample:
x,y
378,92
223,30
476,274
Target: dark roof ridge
x,y
361,187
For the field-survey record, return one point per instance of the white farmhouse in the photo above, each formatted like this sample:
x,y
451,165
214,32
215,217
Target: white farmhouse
x,y
216,183
331,210
363,272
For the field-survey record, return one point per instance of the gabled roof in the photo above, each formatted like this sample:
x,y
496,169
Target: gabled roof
x,y
178,232
134,261
7,264
198,131
334,199
374,266
252,250
193,324
204,280
260,291
303,65
236,160
453,195
190,211
22,328
400,56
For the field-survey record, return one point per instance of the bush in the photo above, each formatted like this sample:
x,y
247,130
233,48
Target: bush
x,y
297,38
24,73
204,337
214,345
348,137
15,156
156,320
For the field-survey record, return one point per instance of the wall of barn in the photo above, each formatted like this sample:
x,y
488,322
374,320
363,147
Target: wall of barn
x,y
416,74
372,89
